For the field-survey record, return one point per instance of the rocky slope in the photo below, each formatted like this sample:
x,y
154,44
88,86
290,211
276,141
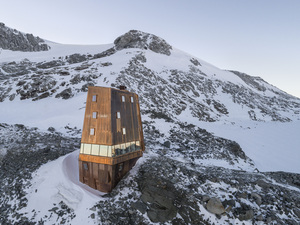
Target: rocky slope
x,y
177,181
14,40
206,92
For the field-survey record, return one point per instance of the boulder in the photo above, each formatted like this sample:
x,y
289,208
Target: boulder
x,y
215,206
257,198
247,215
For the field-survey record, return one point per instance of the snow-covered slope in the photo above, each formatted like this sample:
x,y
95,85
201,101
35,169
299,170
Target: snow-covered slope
x,y
193,113
48,89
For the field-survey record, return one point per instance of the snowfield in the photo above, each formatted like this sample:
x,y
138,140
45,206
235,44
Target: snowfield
x,y
60,180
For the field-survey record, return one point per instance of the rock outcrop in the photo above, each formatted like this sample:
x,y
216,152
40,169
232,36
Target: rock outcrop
x,y
14,40
138,39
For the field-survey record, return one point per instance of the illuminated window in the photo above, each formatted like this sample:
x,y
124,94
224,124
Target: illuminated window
x,y
123,98
92,131
94,98
118,115
95,150
94,115
124,130
103,150
131,99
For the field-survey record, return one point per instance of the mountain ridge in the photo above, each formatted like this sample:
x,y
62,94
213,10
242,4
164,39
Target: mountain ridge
x,y
201,125
14,40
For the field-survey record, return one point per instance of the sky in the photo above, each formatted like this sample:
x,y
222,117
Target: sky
x,y
257,37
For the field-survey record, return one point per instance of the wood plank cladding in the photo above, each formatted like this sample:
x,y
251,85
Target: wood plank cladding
x,y
102,123
108,129
112,137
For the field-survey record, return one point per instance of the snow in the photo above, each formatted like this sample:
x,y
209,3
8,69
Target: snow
x,y
273,146
49,112
60,180
57,50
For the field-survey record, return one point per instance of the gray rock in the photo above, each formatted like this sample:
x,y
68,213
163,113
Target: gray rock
x,y
214,205
262,183
12,97
65,94
259,218
205,198
297,212
140,206
257,198
138,39
195,62
76,58
50,64
249,214
17,41
167,144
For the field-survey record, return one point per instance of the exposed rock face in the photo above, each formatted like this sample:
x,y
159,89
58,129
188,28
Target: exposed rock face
x,y
16,41
138,39
169,191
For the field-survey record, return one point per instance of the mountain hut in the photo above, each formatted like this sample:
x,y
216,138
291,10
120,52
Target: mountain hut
x,y
112,137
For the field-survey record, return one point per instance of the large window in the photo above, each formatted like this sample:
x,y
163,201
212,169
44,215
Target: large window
x,y
109,151
94,98
95,150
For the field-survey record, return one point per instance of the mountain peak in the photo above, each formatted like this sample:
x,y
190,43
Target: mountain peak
x,y
15,40
142,40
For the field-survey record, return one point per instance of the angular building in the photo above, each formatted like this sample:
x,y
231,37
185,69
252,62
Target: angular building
x,y
112,137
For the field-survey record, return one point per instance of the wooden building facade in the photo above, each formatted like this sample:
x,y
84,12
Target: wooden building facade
x,y
112,137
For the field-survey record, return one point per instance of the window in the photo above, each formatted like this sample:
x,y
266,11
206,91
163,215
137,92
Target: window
x,y
121,165
87,149
94,115
124,130
82,148
95,150
103,150
132,146
92,131
137,145
131,99
85,166
118,115
94,98
123,98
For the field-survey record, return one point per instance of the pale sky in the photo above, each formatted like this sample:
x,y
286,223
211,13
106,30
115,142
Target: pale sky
x,y
257,37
